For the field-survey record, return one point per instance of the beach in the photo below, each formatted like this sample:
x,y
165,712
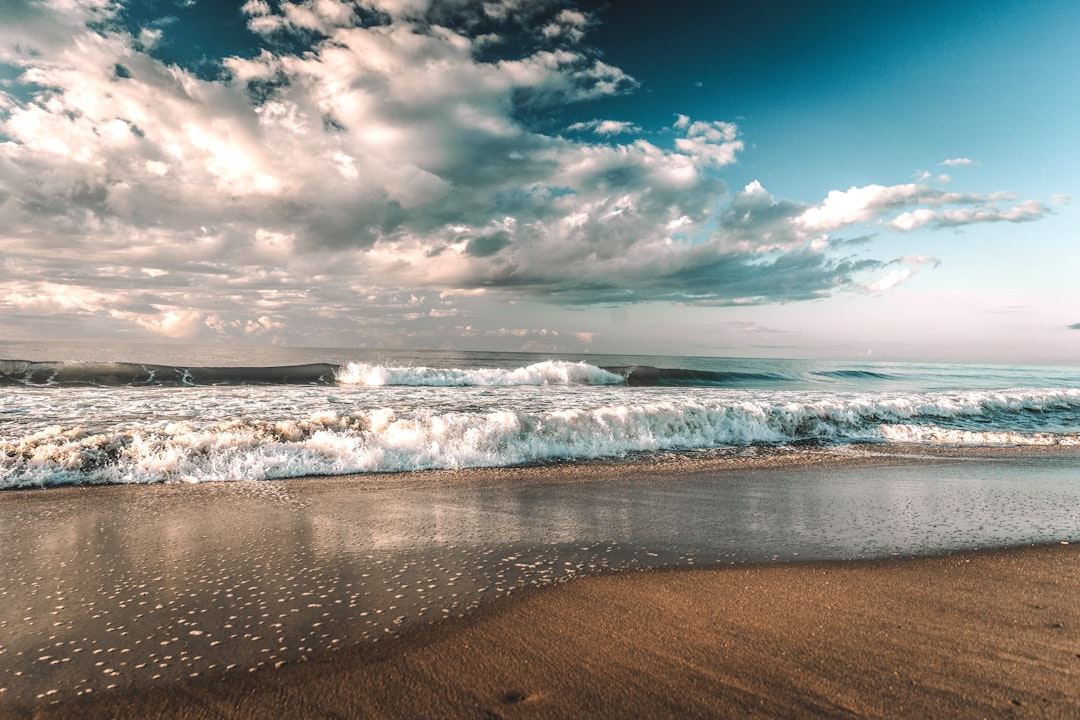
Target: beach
x,y
740,584
991,634
538,358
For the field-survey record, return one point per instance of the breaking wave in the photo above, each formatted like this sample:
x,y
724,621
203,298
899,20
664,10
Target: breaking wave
x,y
549,372
381,440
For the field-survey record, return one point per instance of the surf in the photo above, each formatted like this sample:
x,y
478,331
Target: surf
x,y
383,439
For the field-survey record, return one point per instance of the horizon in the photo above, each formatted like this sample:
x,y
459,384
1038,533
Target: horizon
x,y
830,182
238,349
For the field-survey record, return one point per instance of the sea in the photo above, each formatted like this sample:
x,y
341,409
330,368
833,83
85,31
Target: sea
x,y
105,413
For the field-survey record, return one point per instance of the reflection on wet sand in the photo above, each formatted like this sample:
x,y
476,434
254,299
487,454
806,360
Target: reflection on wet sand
x,y
132,586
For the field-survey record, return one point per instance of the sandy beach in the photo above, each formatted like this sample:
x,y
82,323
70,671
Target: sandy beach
x,y
763,586
439,359
991,634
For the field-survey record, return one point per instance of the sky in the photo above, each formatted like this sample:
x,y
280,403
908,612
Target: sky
x,y
837,179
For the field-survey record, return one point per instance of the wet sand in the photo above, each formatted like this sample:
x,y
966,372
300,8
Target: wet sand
x,y
448,593
991,634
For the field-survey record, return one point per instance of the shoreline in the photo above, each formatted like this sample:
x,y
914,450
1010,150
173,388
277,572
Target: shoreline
x,y
758,456
981,634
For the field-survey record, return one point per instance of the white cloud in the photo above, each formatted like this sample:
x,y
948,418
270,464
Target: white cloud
x,y
714,143
569,24
55,297
913,219
875,203
958,162
177,323
1026,211
901,275
860,204
606,127
891,280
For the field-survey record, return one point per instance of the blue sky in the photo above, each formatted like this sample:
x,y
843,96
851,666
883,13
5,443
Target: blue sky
x,y
836,179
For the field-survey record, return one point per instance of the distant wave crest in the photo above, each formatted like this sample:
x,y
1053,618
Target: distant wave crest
x,y
647,375
550,372
853,375
106,374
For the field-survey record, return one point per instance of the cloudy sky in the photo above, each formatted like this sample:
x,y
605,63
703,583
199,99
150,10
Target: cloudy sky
x,y
776,178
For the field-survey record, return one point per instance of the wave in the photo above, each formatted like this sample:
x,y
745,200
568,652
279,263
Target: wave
x,y
106,374
382,440
550,372
937,435
853,375
647,375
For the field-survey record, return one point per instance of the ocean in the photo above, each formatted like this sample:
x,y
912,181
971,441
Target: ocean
x,y
96,414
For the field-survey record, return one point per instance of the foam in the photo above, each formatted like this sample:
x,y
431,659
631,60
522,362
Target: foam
x,y
550,372
386,439
937,435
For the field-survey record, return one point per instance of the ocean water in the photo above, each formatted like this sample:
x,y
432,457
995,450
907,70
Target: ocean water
x,y
76,414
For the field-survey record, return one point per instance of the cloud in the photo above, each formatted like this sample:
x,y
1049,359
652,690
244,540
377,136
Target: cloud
x,y
755,220
606,127
753,329
569,24
891,280
1027,211
860,204
487,245
714,142
374,163
930,206
901,275
958,162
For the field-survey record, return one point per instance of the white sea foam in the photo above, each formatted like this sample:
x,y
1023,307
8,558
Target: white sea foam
x,y
550,372
935,434
387,439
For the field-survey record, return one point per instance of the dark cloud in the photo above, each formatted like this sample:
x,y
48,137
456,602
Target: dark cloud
x,y
851,242
487,245
755,216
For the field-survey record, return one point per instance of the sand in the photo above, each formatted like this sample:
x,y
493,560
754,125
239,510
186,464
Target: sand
x,y
555,592
989,634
